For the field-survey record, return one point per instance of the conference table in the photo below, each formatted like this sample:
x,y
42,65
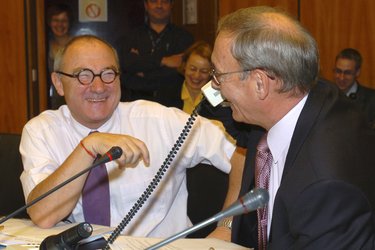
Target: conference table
x,y
23,234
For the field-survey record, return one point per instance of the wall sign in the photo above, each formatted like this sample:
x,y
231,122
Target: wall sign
x,y
93,11
190,12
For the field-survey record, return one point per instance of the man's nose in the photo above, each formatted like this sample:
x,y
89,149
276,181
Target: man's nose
x,y
97,84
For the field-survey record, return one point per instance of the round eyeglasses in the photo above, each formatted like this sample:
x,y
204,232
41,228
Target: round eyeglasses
x,y
86,76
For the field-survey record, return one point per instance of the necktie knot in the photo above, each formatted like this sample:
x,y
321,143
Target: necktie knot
x,y
262,145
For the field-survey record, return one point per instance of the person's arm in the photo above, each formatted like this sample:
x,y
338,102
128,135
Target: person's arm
x,y
173,61
223,231
55,207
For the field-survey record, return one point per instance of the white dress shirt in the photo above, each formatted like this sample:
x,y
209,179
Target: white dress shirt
x,y
278,140
48,139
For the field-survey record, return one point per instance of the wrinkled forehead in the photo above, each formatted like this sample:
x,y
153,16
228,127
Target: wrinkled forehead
x,y
222,51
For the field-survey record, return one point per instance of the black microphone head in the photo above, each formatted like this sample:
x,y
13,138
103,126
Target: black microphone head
x,y
77,233
67,239
116,152
112,154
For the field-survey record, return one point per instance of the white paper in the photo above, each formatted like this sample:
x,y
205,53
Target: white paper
x,y
20,231
137,243
23,234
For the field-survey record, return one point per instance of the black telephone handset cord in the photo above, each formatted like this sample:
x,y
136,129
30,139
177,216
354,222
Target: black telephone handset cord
x,y
155,181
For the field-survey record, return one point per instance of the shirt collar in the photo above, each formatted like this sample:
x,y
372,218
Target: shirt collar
x,y
353,89
84,131
280,135
184,93
189,104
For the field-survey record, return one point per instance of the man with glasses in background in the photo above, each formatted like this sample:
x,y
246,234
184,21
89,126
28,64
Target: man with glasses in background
x,y
346,74
58,144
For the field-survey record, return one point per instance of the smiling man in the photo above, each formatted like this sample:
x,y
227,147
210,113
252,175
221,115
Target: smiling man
x,y
346,73
314,153
57,144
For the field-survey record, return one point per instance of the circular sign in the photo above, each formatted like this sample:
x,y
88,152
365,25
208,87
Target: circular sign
x,y
93,10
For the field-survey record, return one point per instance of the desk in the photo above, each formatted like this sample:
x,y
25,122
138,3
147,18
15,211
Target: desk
x,y
23,234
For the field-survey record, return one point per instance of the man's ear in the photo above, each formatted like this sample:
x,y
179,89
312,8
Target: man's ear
x,y
261,84
57,83
357,73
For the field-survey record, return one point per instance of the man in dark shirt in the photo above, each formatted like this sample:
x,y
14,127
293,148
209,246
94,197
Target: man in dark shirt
x,y
151,54
346,72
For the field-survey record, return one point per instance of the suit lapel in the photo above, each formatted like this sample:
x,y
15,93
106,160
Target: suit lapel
x,y
314,104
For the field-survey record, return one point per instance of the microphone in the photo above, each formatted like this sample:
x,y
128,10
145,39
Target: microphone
x,y
113,154
251,201
67,239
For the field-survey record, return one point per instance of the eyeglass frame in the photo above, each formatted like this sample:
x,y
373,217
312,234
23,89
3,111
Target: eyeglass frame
x,y
347,72
76,75
215,75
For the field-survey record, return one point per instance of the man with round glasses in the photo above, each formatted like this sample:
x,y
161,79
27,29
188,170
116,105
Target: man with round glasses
x,y
57,144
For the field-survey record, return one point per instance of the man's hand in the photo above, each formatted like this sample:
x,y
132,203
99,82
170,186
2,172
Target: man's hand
x,y
133,149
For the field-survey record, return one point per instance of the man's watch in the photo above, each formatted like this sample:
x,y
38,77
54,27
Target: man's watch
x,y
225,223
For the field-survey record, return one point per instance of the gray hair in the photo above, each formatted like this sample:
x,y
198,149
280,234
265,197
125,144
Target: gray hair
x,y
59,58
269,39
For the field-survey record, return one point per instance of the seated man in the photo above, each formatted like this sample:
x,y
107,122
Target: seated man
x,y
57,144
313,150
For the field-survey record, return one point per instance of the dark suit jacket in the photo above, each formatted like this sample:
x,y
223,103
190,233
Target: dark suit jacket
x,y
365,98
327,192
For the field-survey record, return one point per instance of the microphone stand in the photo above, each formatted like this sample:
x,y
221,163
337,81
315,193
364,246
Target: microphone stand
x,y
112,154
184,233
251,201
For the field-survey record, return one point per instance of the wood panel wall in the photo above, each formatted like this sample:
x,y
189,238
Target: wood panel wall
x,y
338,24
229,6
335,24
13,84
207,14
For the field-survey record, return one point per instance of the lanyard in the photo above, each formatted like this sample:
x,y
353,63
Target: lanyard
x,y
156,42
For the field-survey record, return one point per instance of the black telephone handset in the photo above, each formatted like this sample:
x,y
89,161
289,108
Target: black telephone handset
x,y
215,98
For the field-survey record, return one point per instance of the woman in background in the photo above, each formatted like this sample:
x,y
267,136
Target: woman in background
x,y
59,23
196,66
207,187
